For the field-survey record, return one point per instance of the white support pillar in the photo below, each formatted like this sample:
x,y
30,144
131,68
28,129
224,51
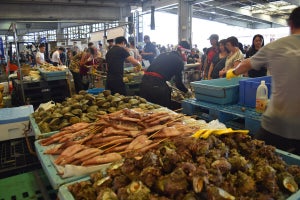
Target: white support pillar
x,y
184,21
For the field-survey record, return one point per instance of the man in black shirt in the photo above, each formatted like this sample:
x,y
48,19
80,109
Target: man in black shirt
x,y
149,51
154,87
115,58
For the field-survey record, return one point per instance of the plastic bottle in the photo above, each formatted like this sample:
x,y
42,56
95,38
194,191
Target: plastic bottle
x,y
261,97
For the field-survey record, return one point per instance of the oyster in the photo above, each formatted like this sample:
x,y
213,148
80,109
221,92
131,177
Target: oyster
x,y
92,116
90,97
44,126
112,109
78,97
85,118
101,112
43,114
74,120
106,92
82,92
142,100
56,115
109,97
54,121
76,105
100,101
63,124
134,101
84,101
93,108
106,105
66,109
77,111
68,115
84,107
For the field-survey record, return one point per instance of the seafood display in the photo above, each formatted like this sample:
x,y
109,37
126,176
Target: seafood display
x,y
47,67
220,167
115,134
85,107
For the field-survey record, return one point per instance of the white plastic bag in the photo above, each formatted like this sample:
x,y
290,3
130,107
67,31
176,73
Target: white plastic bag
x,y
215,124
46,106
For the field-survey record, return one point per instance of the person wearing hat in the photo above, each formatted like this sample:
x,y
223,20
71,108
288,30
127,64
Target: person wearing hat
x,y
211,52
115,58
280,122
154,87
149,51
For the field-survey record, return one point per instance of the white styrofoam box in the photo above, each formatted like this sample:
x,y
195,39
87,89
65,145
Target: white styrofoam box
x,y
14,121
14,130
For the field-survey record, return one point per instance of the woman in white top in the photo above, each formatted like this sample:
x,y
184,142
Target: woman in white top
x,y
234,57
40,56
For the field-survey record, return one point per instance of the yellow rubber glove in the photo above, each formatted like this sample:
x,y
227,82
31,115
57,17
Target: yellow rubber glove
x,y
230,74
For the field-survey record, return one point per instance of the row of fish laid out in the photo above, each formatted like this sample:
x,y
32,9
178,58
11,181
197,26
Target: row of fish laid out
x,y
114,135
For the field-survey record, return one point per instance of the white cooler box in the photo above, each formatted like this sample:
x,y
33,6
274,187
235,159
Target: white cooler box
x,y
13,122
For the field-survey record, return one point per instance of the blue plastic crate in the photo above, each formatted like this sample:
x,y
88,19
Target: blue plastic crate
x,y
219,91
204,110
248,88
252,125
95,91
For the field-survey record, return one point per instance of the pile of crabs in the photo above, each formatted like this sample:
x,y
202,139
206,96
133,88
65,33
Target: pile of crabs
x,y
221,167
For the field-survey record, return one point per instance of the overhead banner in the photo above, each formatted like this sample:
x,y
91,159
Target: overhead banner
x,y
1,48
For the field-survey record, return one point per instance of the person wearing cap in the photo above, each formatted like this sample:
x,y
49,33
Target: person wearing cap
x,y
56,56
211,52
115,58
149,51
280,124
154,87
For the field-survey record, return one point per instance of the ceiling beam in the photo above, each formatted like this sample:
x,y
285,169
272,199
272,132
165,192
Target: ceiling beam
x,y
57,12
12,12
248,13
158,4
